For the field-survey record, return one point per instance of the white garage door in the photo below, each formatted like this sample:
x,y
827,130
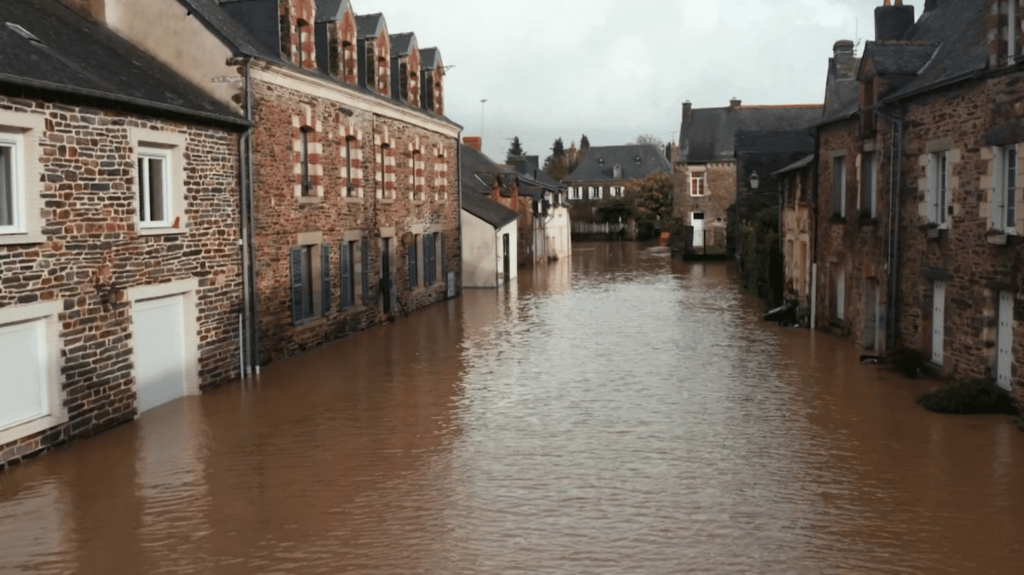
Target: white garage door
x,y
23,385
160,364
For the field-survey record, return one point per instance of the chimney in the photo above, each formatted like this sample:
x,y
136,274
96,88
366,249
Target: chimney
x,y
893,21
844,60
687,111
474,142
94,10
734,104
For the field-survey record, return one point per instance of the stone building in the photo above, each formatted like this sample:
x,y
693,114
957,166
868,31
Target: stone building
x,y
352,211
918,193
797,183
120,271
704,166
604,171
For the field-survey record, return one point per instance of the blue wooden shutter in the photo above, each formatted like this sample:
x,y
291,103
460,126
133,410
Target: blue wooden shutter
x,y
412,264
444,266
325,279
431,250
345,262
298,289
366,271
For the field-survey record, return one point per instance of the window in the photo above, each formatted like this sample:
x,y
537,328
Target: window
x,y
384,172
310,281
698,183
154,188
1004,201
350,188
413,261
432,250
348,256
576,193
11,187
418,179
31,386
868,186
1011,31
937,197
595,192
303,36
307,185
371,65
838,293
839,187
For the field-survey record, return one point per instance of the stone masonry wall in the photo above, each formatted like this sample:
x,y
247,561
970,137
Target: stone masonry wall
x,y
717,201
966,122
93,252
420,195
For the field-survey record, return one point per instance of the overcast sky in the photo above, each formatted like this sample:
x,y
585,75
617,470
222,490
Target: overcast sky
x,y
613,69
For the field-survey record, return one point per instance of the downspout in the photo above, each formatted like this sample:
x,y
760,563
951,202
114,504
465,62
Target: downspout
x,y
458,218
814,228
895,195
250,348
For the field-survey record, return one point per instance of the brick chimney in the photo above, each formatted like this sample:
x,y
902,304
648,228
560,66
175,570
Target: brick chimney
x,y
687,111
95,10
844,60
474,142
893,21
735,103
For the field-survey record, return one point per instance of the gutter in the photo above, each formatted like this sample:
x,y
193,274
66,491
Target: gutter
x,y
458,171
895,200
251,312
147,104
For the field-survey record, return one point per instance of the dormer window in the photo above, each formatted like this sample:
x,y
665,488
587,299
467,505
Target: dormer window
x,y
600,161
307,185
638,160
617,172
371,70
302,29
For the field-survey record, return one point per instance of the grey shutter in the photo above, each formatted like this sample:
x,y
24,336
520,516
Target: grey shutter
x,y
412,264
428,259
345,262
444,266
325,279
298,289
366,271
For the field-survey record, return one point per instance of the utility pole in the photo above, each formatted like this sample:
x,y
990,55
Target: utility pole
x,y
482,102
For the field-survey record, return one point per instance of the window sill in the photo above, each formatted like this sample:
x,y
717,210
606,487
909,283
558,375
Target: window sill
x,y
352,200
307,200
162,231
386,200
30,427
21,239
311,323
999,239
418,202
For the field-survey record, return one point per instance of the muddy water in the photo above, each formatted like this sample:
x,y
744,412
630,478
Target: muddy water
x,y
619,414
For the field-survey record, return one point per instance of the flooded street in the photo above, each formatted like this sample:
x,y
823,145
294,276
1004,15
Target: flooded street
x,y
619,413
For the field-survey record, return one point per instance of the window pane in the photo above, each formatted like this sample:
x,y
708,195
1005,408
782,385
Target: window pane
x,y
143,190
156,190
941,219
1011,188
6,186
307,281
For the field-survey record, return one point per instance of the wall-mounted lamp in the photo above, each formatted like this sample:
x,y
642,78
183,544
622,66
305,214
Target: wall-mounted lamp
x,y
755,181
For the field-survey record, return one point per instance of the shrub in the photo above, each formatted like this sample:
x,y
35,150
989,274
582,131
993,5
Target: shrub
x,y
969,397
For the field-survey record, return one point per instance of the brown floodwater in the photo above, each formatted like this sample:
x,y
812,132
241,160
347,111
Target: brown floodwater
x,y
620,413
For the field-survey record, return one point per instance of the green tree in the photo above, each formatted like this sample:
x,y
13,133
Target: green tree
x,y
515,151
649,140
584,142
653,197
557,165
615,210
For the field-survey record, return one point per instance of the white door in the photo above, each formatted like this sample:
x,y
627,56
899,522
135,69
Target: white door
x,y
938,322
1004,361
160,363
698,229
23,385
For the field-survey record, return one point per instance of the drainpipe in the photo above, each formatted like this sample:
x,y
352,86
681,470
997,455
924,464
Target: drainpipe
x,y
458,216
249,351
895,194
814,229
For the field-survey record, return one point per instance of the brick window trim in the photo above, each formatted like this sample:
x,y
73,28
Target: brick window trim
x,y
170,145
47,313
27,130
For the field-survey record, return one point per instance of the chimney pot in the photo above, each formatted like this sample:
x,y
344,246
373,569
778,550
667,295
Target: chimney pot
x,y
687,110
474,142
735,103
893,21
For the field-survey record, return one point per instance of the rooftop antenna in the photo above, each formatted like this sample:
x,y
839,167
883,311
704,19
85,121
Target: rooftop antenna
x,y
856,37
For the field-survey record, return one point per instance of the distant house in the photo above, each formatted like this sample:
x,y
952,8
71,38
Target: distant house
x,y
604,172
704,166
797,183
489,240
544,222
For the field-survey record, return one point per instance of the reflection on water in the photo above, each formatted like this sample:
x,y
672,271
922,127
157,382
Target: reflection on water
x,y
616,413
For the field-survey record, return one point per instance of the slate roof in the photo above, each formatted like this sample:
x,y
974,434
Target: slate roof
x,y
899,59
235,35
370,25
430,58
331,10
710,135
64,52
600,161
402,44
530,169
487,209
960,29
841,94
477,171
797,165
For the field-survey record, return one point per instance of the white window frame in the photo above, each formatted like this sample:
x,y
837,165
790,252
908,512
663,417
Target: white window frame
x,y
169,146
702,178
576,193
839,161
21,133
591,193
937,199
48,314
145,159
1003,193
13,174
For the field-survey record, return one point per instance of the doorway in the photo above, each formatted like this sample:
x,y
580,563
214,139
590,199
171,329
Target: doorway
x,y
506,259
697,218
386,281
869,338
